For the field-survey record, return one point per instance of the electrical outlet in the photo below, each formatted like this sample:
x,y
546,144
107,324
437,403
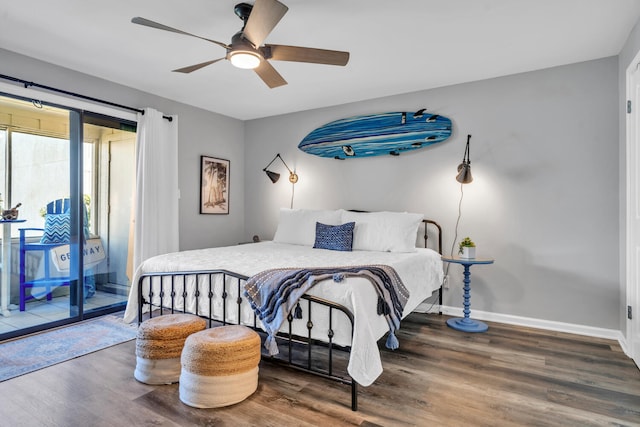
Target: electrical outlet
x,y
445,282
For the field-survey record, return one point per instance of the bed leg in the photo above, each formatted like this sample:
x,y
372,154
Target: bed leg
x,y
440,301
354,395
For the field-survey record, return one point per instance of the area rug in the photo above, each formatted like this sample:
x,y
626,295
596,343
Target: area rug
x,y
34,352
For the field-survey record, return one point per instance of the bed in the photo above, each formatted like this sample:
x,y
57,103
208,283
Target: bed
x,y
339,313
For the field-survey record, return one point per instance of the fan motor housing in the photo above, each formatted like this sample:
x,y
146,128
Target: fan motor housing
x,y
242,47
243,10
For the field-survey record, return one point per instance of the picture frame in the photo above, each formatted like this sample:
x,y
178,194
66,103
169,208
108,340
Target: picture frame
x,y
214,185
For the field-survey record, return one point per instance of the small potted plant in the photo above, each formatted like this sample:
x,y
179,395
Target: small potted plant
x,y
467,249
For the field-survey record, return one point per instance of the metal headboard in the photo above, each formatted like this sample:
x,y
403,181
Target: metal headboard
x,y
426,223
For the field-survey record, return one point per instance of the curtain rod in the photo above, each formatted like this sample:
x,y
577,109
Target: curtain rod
x,y
77,95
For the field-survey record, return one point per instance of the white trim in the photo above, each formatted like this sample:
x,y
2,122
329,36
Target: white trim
x,y
625,347
67,101
549,325
629,344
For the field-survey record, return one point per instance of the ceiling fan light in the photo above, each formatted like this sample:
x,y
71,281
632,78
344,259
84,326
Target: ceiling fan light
x,y
244,59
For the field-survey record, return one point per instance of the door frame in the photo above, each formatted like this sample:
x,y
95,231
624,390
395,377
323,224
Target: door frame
x,y
632,243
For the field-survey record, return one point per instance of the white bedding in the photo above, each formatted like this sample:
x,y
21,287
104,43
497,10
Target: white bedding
x,y
420,271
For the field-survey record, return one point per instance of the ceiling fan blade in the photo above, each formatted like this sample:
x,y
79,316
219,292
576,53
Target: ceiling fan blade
x,y
264,16
195,67
147,23
269,75
305,54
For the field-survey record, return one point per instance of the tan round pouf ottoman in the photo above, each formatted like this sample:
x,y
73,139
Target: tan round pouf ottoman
x,y
159,344
219,366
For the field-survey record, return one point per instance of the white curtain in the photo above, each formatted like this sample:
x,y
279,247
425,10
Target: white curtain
x,y
156,214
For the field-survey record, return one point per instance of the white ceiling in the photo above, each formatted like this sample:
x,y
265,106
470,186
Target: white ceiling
x,y
396,46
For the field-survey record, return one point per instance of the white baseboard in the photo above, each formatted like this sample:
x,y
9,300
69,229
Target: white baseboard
x,y
509,319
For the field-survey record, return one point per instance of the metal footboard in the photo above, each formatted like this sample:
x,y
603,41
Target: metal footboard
x,y
167,293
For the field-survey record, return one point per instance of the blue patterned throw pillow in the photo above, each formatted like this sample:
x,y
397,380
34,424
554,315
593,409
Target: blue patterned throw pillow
x,y
334,237
57,228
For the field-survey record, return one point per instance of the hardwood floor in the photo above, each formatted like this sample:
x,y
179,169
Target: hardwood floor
x,y
508,376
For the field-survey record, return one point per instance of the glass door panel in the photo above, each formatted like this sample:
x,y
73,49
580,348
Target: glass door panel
x,y
37,170
109,172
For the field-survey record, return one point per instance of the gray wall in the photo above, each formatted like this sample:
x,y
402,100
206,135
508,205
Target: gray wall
x,y
544,201
200,133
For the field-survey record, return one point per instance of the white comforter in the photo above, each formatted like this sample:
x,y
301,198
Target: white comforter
x,y
420,271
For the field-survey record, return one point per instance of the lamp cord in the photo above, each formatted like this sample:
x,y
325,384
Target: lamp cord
x,y
453,245
293,189
455,237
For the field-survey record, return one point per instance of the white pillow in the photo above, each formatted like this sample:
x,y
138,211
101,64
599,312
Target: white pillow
x,y
298,226
384,231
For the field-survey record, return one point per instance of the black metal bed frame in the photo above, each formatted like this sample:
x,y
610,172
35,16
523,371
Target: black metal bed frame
x,y
159,284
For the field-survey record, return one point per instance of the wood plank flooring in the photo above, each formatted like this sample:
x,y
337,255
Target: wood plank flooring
x,y
508,376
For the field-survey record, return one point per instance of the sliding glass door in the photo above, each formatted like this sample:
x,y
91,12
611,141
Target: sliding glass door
x,y
66,251
109,183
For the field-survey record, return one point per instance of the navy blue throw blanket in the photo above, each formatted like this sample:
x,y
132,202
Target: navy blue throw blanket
x,y
274,293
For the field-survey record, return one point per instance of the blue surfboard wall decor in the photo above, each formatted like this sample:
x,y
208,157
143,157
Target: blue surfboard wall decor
x,y
376,134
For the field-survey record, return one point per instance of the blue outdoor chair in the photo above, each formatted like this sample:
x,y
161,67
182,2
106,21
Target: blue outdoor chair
x,y
56,232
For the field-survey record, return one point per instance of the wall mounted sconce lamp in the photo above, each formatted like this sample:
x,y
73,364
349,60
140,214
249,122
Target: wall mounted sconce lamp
x,y
463,177
274,176
464,168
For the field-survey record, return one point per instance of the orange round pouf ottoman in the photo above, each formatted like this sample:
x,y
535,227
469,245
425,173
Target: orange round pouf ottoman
x,y
159,344
219,366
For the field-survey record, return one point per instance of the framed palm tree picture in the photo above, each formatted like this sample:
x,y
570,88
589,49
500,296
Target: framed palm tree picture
x,y
214,185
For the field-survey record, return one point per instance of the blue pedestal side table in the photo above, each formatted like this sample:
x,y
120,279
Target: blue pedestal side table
x,y
466,324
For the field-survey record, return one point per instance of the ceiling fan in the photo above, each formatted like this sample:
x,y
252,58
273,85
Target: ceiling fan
x,y
246,49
